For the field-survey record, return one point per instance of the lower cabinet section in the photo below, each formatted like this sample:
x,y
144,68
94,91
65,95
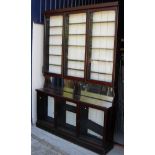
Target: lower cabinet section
x,y
82,124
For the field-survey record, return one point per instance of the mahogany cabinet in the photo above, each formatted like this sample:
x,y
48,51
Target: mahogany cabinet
x,y
80,48
91,124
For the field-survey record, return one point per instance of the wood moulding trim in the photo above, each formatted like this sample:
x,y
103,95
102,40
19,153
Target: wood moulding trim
x,y
82,8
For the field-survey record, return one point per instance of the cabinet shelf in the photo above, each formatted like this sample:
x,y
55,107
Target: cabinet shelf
x,y
54,55
75,60
77,34
55,64
77,23
103,36
55,26
76,69
101,60
55,35
101,73
102,48
77,45
55,45
100,22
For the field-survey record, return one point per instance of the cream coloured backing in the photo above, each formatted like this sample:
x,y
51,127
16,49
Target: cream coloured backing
x,y
103,29
103,42
55,60
57,50
75,73
76,65
55,69
97,116
77,29
76,53
55,30
102,54
101,77
77,40
70,116
50,107
102,67
56,21
55,40
77,18
103,16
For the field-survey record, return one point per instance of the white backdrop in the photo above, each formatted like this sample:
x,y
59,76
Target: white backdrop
x,y
37,62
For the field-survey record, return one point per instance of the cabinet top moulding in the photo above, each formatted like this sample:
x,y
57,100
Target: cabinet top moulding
x,y
97,7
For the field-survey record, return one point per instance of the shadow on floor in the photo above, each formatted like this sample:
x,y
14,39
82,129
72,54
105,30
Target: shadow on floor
x,y
44,143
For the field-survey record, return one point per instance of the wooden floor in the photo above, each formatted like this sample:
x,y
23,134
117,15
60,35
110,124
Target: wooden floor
x,y
44,143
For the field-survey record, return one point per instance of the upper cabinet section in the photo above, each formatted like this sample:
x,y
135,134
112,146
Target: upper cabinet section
x,y
80,43
55,44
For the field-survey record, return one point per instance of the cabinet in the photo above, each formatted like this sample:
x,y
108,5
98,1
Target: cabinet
x,y
91,124
80,49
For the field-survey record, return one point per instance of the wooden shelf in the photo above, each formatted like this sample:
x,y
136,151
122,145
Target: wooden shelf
x,y
54,45
55,26
103,36
55,65
76,34
101,73
55,35
55,54
101,60
77,23
77,45
75,60
100,22
102,48
76,69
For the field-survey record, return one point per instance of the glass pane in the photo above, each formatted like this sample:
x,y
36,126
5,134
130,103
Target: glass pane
x,y
77,18
76,45
103,16
56,20
96,116
55,69
76,53
56,60
55,44
50,107
102,50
